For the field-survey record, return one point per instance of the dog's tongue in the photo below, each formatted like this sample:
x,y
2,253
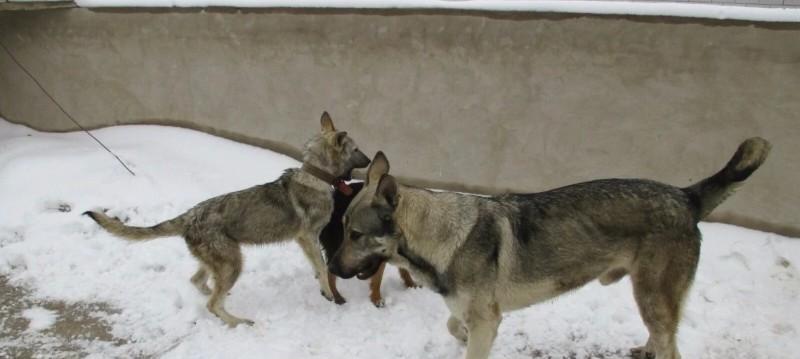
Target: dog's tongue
x,y
341,186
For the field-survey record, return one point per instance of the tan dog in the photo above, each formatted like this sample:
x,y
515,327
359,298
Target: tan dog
x,y
295,206
490,255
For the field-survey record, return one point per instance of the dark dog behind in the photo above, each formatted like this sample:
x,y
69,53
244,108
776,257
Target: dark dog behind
x,y
331,239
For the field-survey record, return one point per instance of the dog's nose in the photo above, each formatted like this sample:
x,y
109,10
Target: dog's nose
x,y
335,269
363,160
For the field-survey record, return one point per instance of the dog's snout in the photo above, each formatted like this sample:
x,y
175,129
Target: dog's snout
x,y
336,269
361,159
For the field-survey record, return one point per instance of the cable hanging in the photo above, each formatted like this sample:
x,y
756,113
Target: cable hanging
x,y
13,58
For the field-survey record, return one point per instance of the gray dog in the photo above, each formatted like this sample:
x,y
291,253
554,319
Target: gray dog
x,y
295,206
490,255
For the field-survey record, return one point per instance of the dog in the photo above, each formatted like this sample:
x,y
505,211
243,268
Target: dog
x,y
331,239
295,206
488,255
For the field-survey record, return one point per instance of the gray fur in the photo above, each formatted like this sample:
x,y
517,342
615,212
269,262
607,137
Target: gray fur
x,y
486,255
295,206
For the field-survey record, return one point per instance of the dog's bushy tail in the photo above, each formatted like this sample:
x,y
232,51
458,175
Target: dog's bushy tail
x,y
172,227
712,191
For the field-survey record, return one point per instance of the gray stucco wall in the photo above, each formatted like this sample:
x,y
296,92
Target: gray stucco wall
x,y
466,101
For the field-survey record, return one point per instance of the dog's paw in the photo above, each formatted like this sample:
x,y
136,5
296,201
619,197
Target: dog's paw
x,y
641,353
237,322
203,288
378,302
457,329
338,299
327,297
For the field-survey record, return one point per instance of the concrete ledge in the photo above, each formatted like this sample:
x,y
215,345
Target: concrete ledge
x,y
458,100
15,5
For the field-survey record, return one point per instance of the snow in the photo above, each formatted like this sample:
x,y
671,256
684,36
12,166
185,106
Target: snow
x,y
39,318
743,303
713,11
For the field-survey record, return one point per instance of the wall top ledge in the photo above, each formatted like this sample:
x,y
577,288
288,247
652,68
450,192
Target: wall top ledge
x,y
750,10
775,11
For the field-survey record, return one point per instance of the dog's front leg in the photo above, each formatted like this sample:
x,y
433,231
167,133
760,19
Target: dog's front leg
x,y
314,254
482,322
337,297
375,287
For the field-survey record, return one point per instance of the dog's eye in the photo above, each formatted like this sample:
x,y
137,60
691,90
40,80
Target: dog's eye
x,y
355,235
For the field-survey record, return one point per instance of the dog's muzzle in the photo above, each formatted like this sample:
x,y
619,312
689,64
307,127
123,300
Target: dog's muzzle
x,y
366,269
370,268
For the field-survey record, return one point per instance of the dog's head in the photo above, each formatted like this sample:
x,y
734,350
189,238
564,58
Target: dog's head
x,y
371,235
333,151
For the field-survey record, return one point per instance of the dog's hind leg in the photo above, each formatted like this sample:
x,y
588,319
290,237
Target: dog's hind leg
x,y
222,257
660,286
224,278
456,328
482,322
200,280
314,254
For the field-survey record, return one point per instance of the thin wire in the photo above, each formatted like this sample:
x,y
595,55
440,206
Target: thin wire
x,y
61,108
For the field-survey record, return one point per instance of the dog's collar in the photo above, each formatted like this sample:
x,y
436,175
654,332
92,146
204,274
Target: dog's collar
x,y
422,265
337,183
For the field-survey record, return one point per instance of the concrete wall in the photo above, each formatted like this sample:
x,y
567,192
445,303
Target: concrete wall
x,y
468,101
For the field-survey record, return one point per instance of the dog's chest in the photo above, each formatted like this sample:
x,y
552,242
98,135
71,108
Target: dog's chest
x,y
314,208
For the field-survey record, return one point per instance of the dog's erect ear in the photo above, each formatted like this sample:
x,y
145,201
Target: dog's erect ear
x,y
340,137
377,168
387,190
326,122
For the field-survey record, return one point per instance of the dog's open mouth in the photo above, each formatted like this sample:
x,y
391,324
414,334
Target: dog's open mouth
x,y
369,268
347,176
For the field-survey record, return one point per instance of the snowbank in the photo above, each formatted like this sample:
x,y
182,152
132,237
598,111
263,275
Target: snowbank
x,y
743,304
563,6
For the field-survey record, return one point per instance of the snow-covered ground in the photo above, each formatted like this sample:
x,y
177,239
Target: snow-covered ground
x,y
39,318
734,11
744,303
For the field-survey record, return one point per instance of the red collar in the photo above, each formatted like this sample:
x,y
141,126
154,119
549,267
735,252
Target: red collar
x,y
337,184
341,186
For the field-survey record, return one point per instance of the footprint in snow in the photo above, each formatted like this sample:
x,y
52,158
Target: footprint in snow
x,y
738,257
57,206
